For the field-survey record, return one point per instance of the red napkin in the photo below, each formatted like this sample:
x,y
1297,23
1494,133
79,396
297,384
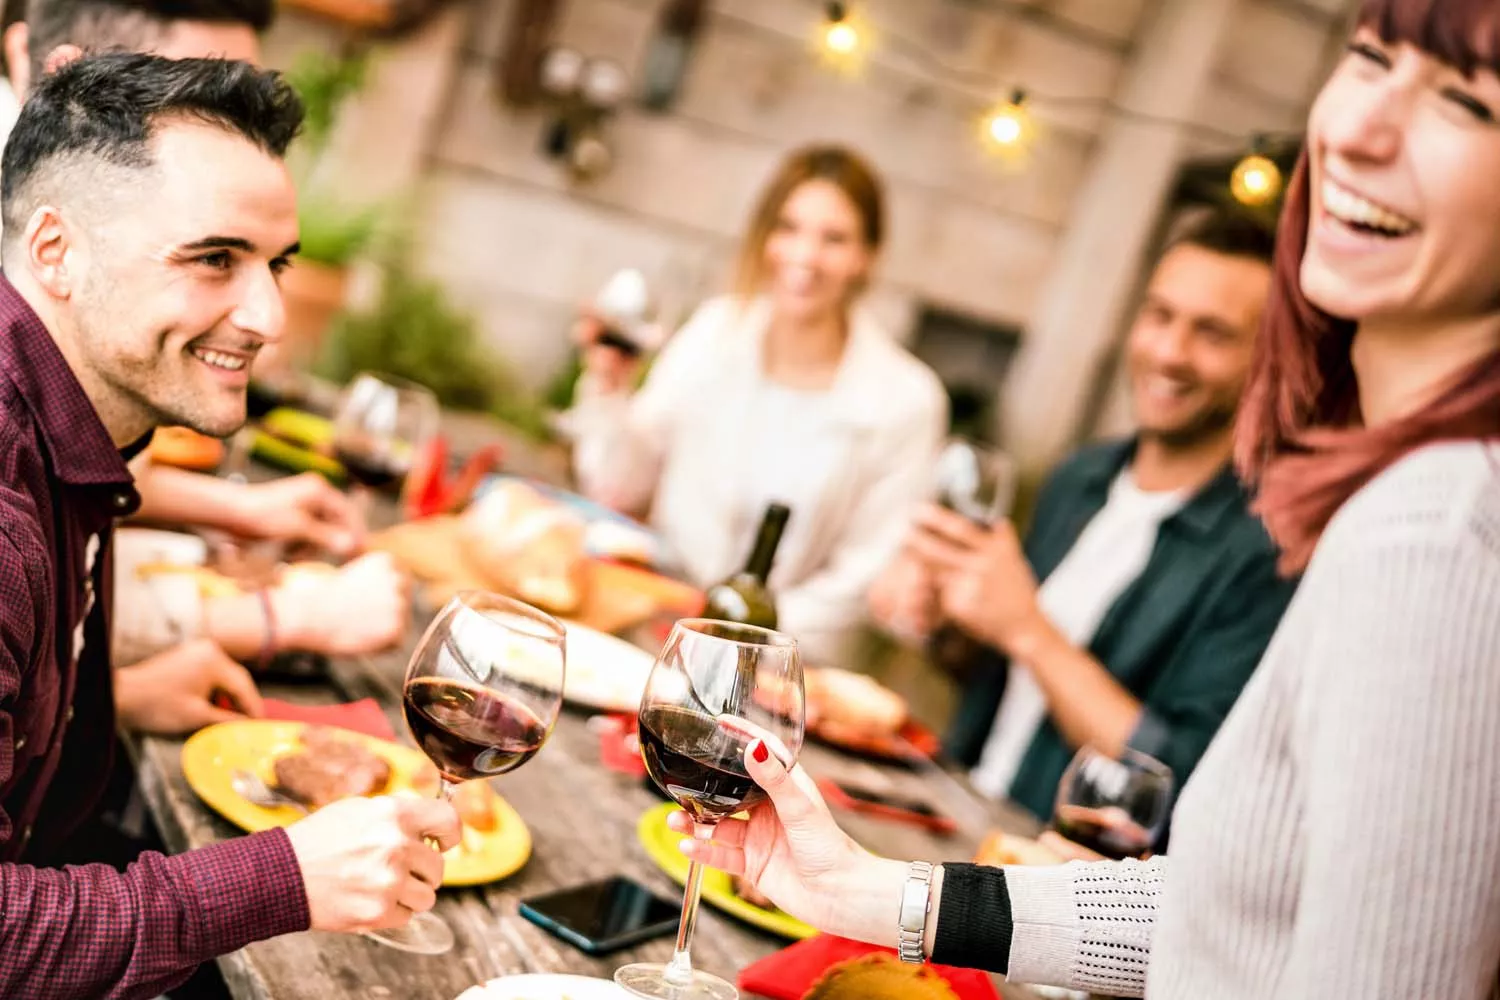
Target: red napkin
x,y
363,716
619,746
791,972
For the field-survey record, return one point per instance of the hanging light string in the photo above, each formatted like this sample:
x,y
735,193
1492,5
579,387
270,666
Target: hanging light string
x,y
1008,125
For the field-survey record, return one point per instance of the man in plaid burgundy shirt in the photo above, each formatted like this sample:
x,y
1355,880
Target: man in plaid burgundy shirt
x,y
147,212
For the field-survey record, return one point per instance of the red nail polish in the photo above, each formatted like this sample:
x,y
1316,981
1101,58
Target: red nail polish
x,y
761,752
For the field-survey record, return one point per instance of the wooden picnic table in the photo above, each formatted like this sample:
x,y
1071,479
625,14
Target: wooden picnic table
x,y
582,817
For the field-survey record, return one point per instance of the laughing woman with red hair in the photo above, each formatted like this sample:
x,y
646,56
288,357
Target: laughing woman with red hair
x,y
1341,838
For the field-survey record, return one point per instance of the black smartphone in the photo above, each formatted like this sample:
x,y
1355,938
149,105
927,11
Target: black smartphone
x,y
600,917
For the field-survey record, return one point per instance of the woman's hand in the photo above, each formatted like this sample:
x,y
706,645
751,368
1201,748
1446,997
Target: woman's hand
x,y
793,851
610,369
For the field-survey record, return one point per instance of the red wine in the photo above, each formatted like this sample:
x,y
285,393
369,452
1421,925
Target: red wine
x,y
698,760
470,732
1108,831
374,471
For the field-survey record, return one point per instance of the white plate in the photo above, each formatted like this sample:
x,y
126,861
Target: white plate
x,y
545,987
605,671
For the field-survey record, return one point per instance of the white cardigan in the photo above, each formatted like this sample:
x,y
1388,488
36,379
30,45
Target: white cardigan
x,y
678,442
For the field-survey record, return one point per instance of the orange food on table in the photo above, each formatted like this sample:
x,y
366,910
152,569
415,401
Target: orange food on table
x,y
439,552
1000,849
185,449
476,806
878,977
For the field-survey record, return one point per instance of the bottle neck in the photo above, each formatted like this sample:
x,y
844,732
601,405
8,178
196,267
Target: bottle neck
x,y
767,540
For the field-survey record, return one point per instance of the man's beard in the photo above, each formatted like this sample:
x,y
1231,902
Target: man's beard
x,y
1213,422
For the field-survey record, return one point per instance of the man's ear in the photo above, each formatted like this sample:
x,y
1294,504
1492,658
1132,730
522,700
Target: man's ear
x,y
48,253
60,57
18,58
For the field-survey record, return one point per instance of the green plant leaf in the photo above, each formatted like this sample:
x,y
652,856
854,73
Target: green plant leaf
x,y
415,332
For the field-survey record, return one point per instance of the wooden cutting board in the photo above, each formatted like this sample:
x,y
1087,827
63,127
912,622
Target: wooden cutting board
x,y
617,597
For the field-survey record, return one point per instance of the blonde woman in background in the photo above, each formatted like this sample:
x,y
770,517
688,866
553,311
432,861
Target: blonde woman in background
x,y
783,391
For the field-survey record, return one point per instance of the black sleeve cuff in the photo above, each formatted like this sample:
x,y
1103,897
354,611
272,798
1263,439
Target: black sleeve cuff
x,y
973,920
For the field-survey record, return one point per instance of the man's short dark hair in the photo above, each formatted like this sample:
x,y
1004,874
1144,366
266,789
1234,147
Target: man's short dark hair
x,y
105,109
103,25
1227,232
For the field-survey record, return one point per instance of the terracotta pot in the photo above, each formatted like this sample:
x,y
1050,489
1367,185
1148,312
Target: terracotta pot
x,y
358,13
314,294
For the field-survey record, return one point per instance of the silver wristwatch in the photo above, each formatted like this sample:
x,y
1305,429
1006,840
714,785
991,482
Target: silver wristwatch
x,y
916,901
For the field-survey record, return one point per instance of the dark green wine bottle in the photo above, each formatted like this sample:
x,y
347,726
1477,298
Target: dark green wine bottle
x,y
746,597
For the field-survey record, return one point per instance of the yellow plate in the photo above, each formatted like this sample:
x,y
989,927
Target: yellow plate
x,y
212,755
660,842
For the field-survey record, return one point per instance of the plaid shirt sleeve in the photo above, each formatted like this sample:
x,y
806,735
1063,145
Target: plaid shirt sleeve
x,y
93,932
86,932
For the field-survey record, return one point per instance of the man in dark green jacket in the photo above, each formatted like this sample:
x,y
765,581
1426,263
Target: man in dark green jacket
x,y
1145,592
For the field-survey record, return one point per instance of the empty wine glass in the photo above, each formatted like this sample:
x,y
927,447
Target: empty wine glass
x,y
1116,807
482,694
381,425
978,482
716,687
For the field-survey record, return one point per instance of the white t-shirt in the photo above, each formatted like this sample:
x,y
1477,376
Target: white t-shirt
x,y
1108,556
791,453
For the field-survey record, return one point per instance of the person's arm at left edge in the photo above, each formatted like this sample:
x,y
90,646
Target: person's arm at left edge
x,y
303,508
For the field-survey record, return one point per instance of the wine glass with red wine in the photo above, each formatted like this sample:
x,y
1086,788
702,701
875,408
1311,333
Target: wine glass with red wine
x,y
482,694
715,689
1116,807
381,426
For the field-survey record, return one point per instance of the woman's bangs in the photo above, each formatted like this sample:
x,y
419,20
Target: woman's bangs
x,y
1463,33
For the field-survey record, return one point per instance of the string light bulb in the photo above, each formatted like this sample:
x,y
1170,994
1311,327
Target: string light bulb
x,y
840,36
1256,179
1008,127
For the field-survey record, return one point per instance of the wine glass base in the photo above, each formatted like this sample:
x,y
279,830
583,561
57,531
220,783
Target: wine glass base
x,y
425,934
650,980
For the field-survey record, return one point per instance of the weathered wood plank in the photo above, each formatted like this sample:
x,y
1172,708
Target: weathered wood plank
x,y
582,818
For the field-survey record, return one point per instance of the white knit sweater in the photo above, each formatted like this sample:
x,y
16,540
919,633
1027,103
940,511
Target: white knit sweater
x,y
1341,837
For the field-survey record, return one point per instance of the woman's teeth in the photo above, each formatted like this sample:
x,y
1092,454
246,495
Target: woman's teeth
x,y
228,362
1356,210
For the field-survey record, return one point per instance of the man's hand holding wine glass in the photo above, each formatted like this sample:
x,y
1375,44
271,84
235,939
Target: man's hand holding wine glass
x,y
985,585
366,862
905,598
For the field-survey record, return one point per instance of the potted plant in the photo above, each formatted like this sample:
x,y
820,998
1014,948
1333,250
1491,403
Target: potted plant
x,y
414,331
333,233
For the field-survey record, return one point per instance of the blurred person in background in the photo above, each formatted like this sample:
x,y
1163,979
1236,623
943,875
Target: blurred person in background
x,y
1338,839
41,36
1145,591
784,391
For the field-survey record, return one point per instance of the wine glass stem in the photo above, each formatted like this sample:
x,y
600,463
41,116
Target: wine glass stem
x,y
680,970
445,794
